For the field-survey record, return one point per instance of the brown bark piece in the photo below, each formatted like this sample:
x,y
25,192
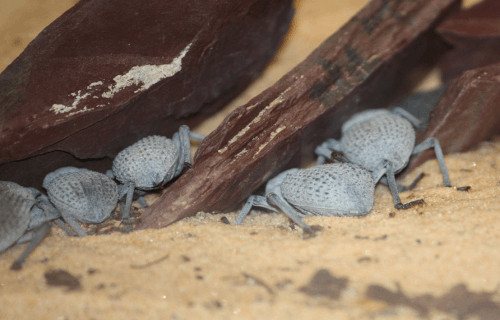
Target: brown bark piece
x,y
107,73
360,66
475,36
468,112
481,21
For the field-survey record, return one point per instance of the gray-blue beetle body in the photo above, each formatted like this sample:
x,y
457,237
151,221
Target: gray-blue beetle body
x,y
337,189
382,142
24,217
81,195
151,162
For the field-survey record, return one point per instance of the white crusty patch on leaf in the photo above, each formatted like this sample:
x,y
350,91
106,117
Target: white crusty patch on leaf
x,y
77,98
140,77
147,75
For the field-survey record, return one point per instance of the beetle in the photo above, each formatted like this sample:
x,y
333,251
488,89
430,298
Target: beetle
x,y
151,162
25,215
81,195
335,189
382,142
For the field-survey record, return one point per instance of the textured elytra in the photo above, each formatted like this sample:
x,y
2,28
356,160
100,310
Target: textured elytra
x,y
41,210
149,163
24,216
373,136
14,214
56,173
84,195
337,189
14,188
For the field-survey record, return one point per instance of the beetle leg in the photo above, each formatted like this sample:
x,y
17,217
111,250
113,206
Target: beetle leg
x,y
434,143
25,238
128,202
61,225
184,147
412,185
180,157
38,235
253,201
287,209
75,226
185,144
142,202
324,150
408,116
402,188
394,190
196,136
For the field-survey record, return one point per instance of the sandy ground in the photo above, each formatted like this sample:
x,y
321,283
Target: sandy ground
x,y
437,261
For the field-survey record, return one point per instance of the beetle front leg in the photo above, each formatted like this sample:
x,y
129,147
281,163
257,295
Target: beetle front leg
x,y
287,209
408,116
181,139
37,237
324,150
196,136
253,201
